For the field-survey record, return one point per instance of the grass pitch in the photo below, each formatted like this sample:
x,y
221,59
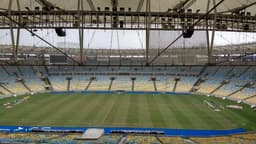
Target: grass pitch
x,y
124,110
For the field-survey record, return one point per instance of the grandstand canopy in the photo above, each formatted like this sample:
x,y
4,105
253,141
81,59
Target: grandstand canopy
x,y
146,28
135,5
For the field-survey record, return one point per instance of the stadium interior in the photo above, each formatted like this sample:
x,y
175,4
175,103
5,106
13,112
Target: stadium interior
x,y
186,62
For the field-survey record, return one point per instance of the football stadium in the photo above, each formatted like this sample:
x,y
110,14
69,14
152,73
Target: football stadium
x,y
128,71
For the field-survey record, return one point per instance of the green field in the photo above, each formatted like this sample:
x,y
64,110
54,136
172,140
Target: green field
x,y
124,110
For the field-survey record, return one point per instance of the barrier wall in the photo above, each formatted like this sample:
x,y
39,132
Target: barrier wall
x,y
167,132
119,92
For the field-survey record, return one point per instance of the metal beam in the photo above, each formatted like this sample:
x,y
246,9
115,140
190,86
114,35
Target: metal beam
x,y
18,33
237,10
139,7
249,97
114,4
114,17
189,4
42,39
11,31
148,24
161,52
213,35
91,5
48,6
15,43
80,7
69,18
181,5
207,32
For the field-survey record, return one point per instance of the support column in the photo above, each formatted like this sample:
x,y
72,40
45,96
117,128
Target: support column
x,y
148,25
133,82
14,38
69,82
213,36
81,42
153,79
111,83
81,30
177,79
207,33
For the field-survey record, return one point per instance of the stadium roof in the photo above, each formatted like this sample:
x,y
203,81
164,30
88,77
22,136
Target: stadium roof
x,y
137,5
154,24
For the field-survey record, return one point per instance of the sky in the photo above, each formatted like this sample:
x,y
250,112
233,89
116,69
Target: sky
x,y
124,39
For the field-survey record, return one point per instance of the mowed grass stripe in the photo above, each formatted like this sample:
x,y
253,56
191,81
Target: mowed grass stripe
x,y
112,110
185,112
65,114
206,116
167,111
52,110
220,117
27,109
94,114
183,119
122,111
225,114
37,100
249,121
81,108
89,110
245,118
132,115
144,119
238,118
42,112
199,119
155,114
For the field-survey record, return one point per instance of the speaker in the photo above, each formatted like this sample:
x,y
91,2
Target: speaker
x,y
246,27
188,33
121,24
60,32
115,22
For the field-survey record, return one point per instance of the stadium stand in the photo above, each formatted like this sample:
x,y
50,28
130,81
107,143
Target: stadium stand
x,y
79,82
122,83
184,60
170,140
32,80
165,83
251,101
136,139
58,82
90,78
185,84
68,138
143,83
111,139
244,94
233,139
100,83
